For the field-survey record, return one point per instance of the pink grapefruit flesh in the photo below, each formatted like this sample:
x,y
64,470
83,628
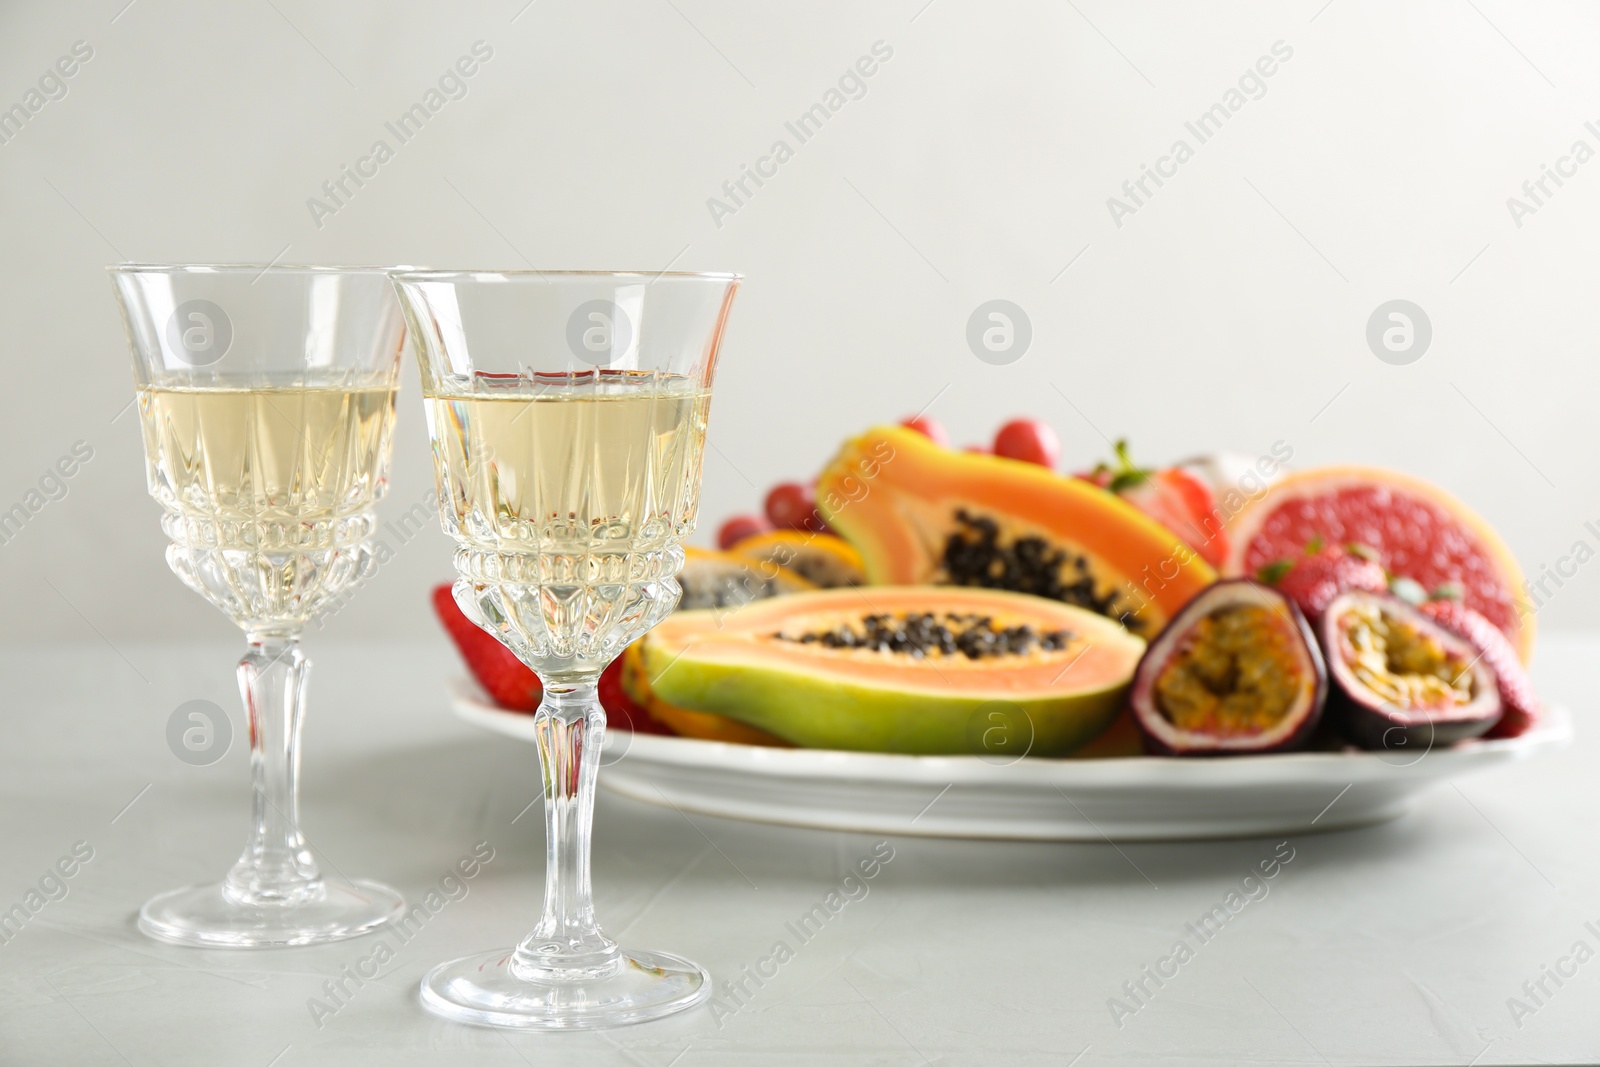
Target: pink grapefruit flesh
x,y
1418,530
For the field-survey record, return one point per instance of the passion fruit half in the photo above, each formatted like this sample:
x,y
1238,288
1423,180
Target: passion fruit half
x,y
1402,680
1236,671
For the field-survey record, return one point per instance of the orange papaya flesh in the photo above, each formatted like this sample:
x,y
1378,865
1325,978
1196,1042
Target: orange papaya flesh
x,y
920,513
916,669
1120,740
706,727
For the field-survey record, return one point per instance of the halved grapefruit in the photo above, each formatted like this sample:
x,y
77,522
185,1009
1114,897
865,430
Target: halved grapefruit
x,y
1418,530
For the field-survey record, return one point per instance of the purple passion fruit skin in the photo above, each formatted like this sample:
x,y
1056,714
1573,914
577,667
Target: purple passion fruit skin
x,y
1400,680
1236,672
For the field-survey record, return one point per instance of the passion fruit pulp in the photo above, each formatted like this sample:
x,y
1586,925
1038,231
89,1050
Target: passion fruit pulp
x,y
1402,680
1236,671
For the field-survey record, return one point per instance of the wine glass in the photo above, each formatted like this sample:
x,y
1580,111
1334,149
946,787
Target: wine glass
x,y
266,397
568,416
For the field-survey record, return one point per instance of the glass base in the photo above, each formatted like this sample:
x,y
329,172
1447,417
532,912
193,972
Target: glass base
x,y
482,989
201,915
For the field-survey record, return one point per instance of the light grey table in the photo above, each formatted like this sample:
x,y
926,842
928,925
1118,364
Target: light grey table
x,y
1398,944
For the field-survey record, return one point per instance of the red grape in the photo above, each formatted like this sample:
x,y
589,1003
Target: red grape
x,y
792,506
740,527
1029,440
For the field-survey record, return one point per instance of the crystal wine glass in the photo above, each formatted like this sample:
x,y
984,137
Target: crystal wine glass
x,y
266,396
568,417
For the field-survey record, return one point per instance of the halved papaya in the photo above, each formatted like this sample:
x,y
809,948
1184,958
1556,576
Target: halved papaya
x,y
920,513
718,582
821,558
682,721
917,669
712,579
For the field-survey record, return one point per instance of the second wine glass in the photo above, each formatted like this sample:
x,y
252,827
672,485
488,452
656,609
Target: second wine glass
x,y
568,417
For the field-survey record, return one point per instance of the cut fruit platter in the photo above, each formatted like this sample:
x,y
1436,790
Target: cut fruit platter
x,y
969,643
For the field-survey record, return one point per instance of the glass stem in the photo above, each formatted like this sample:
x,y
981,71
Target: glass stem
x,y
567,944
276,867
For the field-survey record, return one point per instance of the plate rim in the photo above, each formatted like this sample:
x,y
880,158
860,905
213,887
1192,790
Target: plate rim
x,y
471,704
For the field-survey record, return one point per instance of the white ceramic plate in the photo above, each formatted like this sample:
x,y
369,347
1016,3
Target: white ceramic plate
x,y
1139,798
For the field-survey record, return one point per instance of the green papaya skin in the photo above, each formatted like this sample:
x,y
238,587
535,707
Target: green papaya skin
x,y
816,712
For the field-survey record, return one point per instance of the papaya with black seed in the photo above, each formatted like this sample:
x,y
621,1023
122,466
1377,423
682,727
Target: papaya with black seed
x,y
922,514
827,561
912,669
722,580
720,583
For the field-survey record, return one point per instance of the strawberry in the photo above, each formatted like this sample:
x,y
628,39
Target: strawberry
x,y
1100,476
1177,498
1522,708
513,685
507,679
1313,580
622,711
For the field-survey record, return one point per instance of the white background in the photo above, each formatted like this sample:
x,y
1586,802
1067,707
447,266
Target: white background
x,y
1229,312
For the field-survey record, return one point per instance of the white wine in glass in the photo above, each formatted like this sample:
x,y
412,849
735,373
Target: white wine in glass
x,y
266,399
568,417
604,466
250,469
